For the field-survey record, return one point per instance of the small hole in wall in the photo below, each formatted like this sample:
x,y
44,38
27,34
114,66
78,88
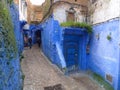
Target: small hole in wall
x,y
109,78
75,0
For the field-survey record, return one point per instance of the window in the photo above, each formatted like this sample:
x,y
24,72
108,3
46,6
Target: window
x,y
70,16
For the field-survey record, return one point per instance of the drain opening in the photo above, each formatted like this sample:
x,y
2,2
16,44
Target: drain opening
x,y
55,87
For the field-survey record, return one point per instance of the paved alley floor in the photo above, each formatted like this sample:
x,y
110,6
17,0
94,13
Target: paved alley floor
x,y
40,73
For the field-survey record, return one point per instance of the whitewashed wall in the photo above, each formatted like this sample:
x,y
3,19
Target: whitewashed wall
x,y
22,10
60,13
103,10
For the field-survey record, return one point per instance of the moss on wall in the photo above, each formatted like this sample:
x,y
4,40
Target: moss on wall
x,y
102,82
78,25
7,30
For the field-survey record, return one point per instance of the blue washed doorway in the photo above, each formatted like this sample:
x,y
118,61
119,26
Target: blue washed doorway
x,y
71,51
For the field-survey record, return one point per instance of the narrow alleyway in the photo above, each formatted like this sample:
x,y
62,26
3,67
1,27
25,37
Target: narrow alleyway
x,y
40,73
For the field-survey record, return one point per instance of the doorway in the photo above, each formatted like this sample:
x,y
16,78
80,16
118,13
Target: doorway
x,y
38,37
71,49
71,53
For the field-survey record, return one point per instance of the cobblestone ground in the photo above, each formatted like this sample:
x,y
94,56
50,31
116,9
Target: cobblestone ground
x,y
40,73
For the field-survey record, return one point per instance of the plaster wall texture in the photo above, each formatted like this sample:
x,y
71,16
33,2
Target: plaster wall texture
x,y
60,13
103,10
10,72
104,53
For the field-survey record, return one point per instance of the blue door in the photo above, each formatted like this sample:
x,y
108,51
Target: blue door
x,y
71,50
71,53
74,48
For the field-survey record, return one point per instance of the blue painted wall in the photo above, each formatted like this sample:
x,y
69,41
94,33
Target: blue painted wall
x,y
10,77
104,53
118,80
74,42
18,32
10,70
50,36
54,38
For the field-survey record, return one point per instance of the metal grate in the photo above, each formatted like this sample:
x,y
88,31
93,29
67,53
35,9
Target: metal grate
x,y
109,78
55,87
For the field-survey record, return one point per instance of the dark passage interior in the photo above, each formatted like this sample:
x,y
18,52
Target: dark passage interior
x,y
38,37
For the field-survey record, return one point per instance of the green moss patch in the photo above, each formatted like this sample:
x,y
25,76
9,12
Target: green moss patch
x,y
7,31
102,82
78,25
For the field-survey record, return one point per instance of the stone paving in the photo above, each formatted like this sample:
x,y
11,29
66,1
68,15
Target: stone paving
x,y
40,72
